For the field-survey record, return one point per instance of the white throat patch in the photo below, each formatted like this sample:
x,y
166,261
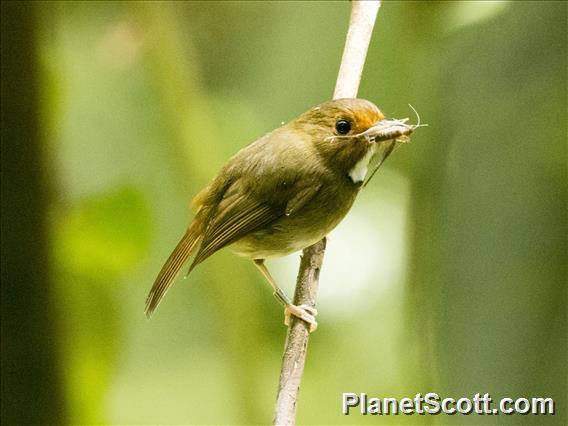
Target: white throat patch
x,y
358,172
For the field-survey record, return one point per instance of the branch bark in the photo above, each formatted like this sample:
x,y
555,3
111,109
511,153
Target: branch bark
x,y
363,15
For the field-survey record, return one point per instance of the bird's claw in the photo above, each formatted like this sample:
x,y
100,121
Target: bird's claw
x,y
304,312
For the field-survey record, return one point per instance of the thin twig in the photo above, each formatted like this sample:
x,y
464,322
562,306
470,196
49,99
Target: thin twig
x,y
363,14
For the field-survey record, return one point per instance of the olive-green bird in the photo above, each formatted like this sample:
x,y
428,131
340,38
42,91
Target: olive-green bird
x,y
284,192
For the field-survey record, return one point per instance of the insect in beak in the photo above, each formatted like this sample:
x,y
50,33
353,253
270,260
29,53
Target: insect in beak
x,y
386,130
393,131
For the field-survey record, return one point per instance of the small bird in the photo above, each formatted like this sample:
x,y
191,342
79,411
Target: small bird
x,y
284,192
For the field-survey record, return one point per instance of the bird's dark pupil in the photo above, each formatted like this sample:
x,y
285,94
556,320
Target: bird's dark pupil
x,y
343,127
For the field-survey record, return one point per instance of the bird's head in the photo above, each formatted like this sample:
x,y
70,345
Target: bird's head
x,y
346,133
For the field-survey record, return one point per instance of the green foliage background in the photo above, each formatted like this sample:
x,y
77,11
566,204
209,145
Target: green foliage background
x,y
143,102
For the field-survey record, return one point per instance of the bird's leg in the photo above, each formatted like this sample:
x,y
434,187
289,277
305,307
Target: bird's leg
x,y
304,312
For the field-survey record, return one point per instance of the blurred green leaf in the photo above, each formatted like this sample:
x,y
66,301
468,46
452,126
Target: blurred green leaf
x,y
106,234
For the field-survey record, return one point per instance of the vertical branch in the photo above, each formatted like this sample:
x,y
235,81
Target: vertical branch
x,y
363,15
297,339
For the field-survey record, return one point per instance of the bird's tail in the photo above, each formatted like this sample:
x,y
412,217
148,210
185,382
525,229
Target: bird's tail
x,y
172,267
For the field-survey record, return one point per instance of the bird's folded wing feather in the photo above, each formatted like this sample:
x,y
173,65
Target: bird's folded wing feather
x,y
235,218
240,214
301,197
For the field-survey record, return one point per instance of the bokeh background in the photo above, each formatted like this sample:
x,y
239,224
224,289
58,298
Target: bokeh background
x,y
448,276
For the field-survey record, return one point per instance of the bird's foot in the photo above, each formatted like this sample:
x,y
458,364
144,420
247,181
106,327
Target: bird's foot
x,y
304,312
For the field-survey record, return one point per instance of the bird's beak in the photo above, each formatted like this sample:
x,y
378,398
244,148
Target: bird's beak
x,y
386,130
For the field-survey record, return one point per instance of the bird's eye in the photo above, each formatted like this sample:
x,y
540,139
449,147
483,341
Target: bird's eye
x,y
343,127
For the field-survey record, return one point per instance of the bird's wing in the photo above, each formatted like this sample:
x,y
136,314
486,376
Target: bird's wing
x,y
239,214
301,197
236,217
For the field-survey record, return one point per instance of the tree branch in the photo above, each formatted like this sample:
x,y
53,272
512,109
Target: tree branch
x,y
363,14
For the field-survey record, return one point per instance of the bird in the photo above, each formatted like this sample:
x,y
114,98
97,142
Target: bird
x,y
284,192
